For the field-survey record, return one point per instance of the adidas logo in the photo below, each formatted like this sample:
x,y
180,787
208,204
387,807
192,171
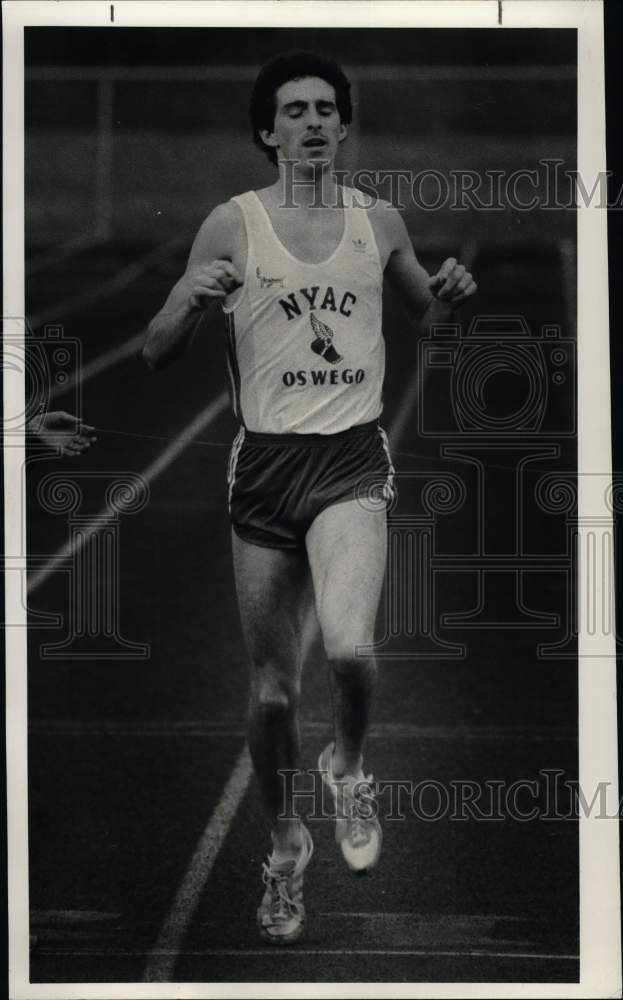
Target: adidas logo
x,y
360,245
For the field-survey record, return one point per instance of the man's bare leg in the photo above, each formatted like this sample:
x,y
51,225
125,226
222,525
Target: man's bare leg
x,y
273,587
347,549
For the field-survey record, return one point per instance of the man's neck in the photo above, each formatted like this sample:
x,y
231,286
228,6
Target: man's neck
x,y
314,188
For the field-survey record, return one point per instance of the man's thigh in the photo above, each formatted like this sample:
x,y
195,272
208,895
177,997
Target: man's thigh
x,y
347,549
274,591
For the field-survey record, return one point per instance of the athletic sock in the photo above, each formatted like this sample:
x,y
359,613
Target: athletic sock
x,y
291,853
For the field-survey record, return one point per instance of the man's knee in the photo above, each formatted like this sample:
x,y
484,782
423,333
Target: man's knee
x,y
349,659
273,695
344,644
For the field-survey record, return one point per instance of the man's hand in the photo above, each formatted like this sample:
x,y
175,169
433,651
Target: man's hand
x,y
62,432
452,283
211,281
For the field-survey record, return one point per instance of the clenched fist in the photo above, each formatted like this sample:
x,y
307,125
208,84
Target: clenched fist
x,y
453,283
211,281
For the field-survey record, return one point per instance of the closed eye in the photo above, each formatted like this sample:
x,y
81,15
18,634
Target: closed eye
x,y
296,108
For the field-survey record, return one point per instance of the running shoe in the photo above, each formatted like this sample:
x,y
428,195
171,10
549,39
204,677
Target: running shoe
x,y
281,914
357,829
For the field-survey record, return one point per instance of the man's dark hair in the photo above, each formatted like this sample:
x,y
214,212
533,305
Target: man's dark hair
x,y
293,66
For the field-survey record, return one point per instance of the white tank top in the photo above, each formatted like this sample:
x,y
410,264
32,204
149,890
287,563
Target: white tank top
x,y
306,351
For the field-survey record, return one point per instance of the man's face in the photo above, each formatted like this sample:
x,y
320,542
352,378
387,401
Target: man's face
x,y
307,124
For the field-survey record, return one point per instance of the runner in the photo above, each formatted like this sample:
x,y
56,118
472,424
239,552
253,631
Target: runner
x,y
298,268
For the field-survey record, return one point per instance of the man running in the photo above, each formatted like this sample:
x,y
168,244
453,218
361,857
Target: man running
x,y
298,268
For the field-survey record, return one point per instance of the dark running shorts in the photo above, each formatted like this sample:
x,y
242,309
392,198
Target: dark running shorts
x,y
278,483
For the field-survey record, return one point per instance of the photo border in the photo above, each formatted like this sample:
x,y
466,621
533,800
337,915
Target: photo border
x,y
600,941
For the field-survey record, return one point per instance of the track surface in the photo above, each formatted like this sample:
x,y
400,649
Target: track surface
x,y
146,833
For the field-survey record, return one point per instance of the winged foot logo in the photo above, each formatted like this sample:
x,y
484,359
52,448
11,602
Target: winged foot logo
x,y
322,344
323,341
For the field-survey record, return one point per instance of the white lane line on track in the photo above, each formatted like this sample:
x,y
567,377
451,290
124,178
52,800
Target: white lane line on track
x,y
149,474
422,952
270,951
104,289
161,961
444,921
381,731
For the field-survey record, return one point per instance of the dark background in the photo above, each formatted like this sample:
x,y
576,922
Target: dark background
x,y
253,46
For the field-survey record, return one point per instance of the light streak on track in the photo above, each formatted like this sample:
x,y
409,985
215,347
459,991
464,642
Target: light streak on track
x,y
50,257
149,474
101,363
105,289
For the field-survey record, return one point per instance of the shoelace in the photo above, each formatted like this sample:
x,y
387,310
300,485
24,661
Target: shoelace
x,y
359,811
283,906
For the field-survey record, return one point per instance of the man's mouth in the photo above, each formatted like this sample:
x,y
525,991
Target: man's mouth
x,y
315,142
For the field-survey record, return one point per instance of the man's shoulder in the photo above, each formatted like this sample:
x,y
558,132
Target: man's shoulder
x,y
224,218
226,213
385,218
220,232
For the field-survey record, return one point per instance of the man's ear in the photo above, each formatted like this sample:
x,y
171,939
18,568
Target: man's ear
x,y
268,138
343,132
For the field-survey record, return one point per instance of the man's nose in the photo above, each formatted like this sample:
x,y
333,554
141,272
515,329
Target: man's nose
x,y
313,118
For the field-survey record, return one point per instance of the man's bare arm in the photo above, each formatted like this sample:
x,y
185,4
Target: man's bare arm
x,y
209,275
428,299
